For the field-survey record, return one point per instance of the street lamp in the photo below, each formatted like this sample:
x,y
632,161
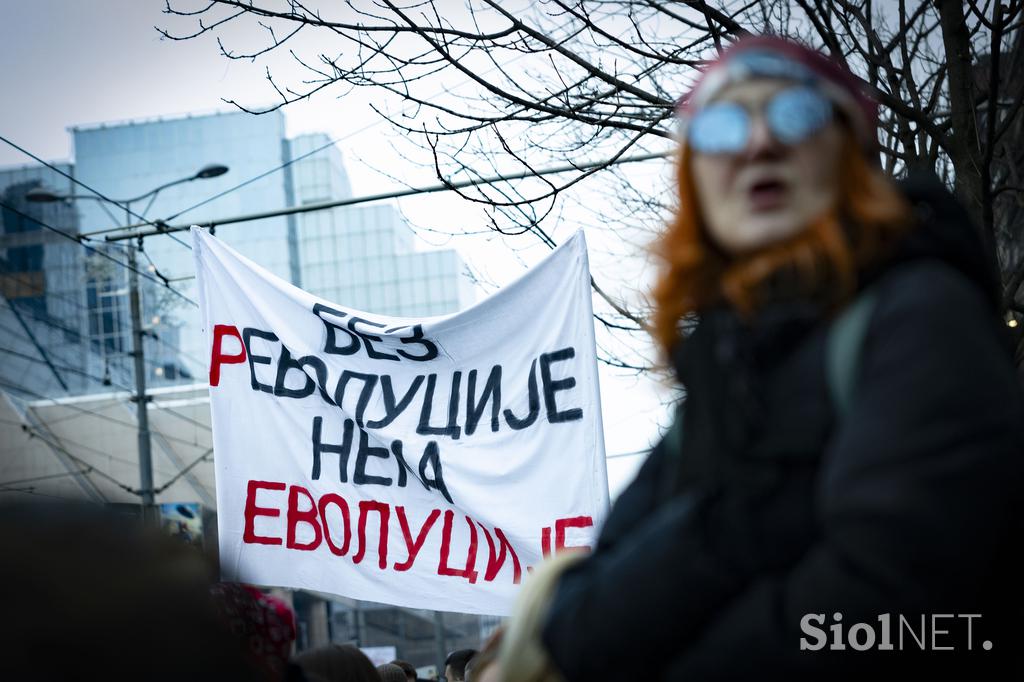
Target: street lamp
x,y
211,171
41,195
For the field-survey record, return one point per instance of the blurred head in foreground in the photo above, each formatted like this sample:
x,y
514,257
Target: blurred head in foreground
x,y
778,186
90,594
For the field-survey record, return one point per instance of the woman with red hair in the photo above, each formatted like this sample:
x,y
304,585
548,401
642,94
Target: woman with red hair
x,y
840,493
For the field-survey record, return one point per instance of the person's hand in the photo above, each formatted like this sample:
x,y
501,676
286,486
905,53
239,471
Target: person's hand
x,y
522,657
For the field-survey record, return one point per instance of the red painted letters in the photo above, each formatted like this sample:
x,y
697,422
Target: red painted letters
x,y
365,507
469,573
217,355
414,546
252,511
308,517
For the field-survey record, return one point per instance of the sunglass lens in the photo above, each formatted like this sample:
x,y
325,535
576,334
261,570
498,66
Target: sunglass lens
x,y
719,129
795,114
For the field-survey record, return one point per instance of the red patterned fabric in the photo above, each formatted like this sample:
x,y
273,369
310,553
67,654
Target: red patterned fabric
x,y
264,623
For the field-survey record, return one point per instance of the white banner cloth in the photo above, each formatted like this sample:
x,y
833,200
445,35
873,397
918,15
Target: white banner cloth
x,y
426,463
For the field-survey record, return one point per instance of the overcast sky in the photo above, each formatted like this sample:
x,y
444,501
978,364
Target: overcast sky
x,y
72,62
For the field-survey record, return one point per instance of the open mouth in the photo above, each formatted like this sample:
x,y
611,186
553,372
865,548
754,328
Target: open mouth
x,y
766,194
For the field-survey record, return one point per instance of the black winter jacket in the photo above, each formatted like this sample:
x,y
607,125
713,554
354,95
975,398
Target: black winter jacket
x,y
774,507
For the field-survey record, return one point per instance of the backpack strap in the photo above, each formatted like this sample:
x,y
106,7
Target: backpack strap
x,y
843,350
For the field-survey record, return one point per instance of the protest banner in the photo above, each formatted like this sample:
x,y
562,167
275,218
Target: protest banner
x,y
427,463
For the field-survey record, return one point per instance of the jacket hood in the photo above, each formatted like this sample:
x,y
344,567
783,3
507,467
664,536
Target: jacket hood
x,y
944,232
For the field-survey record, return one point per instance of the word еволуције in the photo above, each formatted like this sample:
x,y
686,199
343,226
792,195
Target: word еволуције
x,y
328,521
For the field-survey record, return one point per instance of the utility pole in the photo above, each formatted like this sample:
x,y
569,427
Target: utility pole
x,y
42,195
439,641
141,399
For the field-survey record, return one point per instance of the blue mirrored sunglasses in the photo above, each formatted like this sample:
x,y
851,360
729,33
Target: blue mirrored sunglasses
x,y
792,115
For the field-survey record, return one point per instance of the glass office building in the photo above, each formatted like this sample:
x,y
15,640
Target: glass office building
x,y
362,257
51,293
124,161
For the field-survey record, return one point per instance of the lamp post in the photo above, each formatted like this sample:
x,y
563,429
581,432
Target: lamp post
x,y
41,195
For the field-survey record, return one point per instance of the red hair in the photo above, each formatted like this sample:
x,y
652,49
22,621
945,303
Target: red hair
x,y
822,260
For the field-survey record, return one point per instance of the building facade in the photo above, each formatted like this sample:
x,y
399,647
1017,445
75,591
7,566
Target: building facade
x,y
362,257
49,287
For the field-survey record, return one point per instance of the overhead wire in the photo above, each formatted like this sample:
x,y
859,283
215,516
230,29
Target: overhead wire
x,y
183,472
78,182
88,468
159,339
46,477
88,310
102,380
85,411
445,186
81,241
36,291
32,491
106,381
152,265
73,370
78,460
59,295
34,432
83,446
264,174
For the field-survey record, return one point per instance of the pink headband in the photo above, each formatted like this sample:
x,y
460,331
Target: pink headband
x,y
772,57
